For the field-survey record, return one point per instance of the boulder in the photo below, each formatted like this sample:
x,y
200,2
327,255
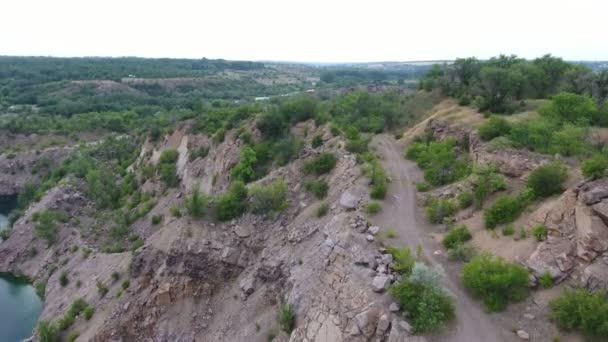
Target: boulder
x,y
348,200
595,192
592,233
601,210
369,237
373,230
247,285
523,335
242,231
595,276
383,324
367,321
380,283
394,307
556,255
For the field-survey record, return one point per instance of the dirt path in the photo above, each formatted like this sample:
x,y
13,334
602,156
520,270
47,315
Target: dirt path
x,y
400,212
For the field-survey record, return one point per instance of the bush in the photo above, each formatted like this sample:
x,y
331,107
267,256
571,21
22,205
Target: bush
x,y
439,161
323,209
456,236
378,178
547,180
486,181
63,279
494,127
403,261
508,230
495,281
200,152
125,284
322,164
269,198
438,209
582,310
373,207
243,170
465,199
546,280
318,188
422,296
101,288
46,227
166,167
175,211
422,187
287,318
317,141
462,252
48,331
595,167
506,209
540,232
231,204
156,219
196,203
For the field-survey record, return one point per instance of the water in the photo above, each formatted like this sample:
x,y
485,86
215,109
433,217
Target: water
x,y
19,304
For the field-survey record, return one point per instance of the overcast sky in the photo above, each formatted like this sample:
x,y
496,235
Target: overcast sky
x,y
311,30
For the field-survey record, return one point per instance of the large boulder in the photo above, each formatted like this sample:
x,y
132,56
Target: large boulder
x,y
592,233
556,256
348,200
595,276
594,192
601,210
380,283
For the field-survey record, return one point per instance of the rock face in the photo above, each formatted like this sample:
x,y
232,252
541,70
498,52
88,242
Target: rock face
x,y
578,235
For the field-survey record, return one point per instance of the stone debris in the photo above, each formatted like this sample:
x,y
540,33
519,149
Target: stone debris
x,y
523,335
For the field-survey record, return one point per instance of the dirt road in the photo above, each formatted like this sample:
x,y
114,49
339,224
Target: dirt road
x,y
400,211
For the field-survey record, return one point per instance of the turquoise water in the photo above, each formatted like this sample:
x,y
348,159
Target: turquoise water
x,y
19,305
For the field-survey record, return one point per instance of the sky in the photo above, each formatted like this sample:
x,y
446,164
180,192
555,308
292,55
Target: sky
x,y
306,31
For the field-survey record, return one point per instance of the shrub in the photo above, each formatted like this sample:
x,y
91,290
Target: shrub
x,y
175,211
486,181
373,207
243,170
63,279
232,203
508,230
439,161
125,284
48,331
323,209
506,209
287,318
378,178
582,310
200,152
88,313
546,280
422,187
465,199
318,188
196,203
595,167
494,127
495,281
268,198
462,252
115,276
156,219
547,180
438,209
403,261
40,289
46,227
421,295
73,336
540,232
317,141
456,236
322,164
166,167
102,288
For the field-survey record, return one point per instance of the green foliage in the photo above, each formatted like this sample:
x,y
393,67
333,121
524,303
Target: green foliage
x,y
268,198
595,167
196,203
508,230
462,252
101,288
317,141
73,336
322,209
322,164
232,203
287,318
422,296
546,280
580,310
243,170
486,181
48,331
78,306
175,211
540,232
495,281
439,161
46,224
572,108
438,209
318,188
403,261
465,199
200,152
156,219
167,168
422,187
456,236
494,127
378,180
506,209
41,288
63,279
547,180
373,207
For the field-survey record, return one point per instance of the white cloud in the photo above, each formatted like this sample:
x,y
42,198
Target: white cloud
x,y
314,30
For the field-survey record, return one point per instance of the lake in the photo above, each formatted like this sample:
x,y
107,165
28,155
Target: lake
x,y
19,304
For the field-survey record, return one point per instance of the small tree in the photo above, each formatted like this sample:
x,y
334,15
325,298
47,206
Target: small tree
x,y
196,204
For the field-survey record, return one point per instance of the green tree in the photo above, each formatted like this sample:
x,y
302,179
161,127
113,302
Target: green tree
x,y
243,170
